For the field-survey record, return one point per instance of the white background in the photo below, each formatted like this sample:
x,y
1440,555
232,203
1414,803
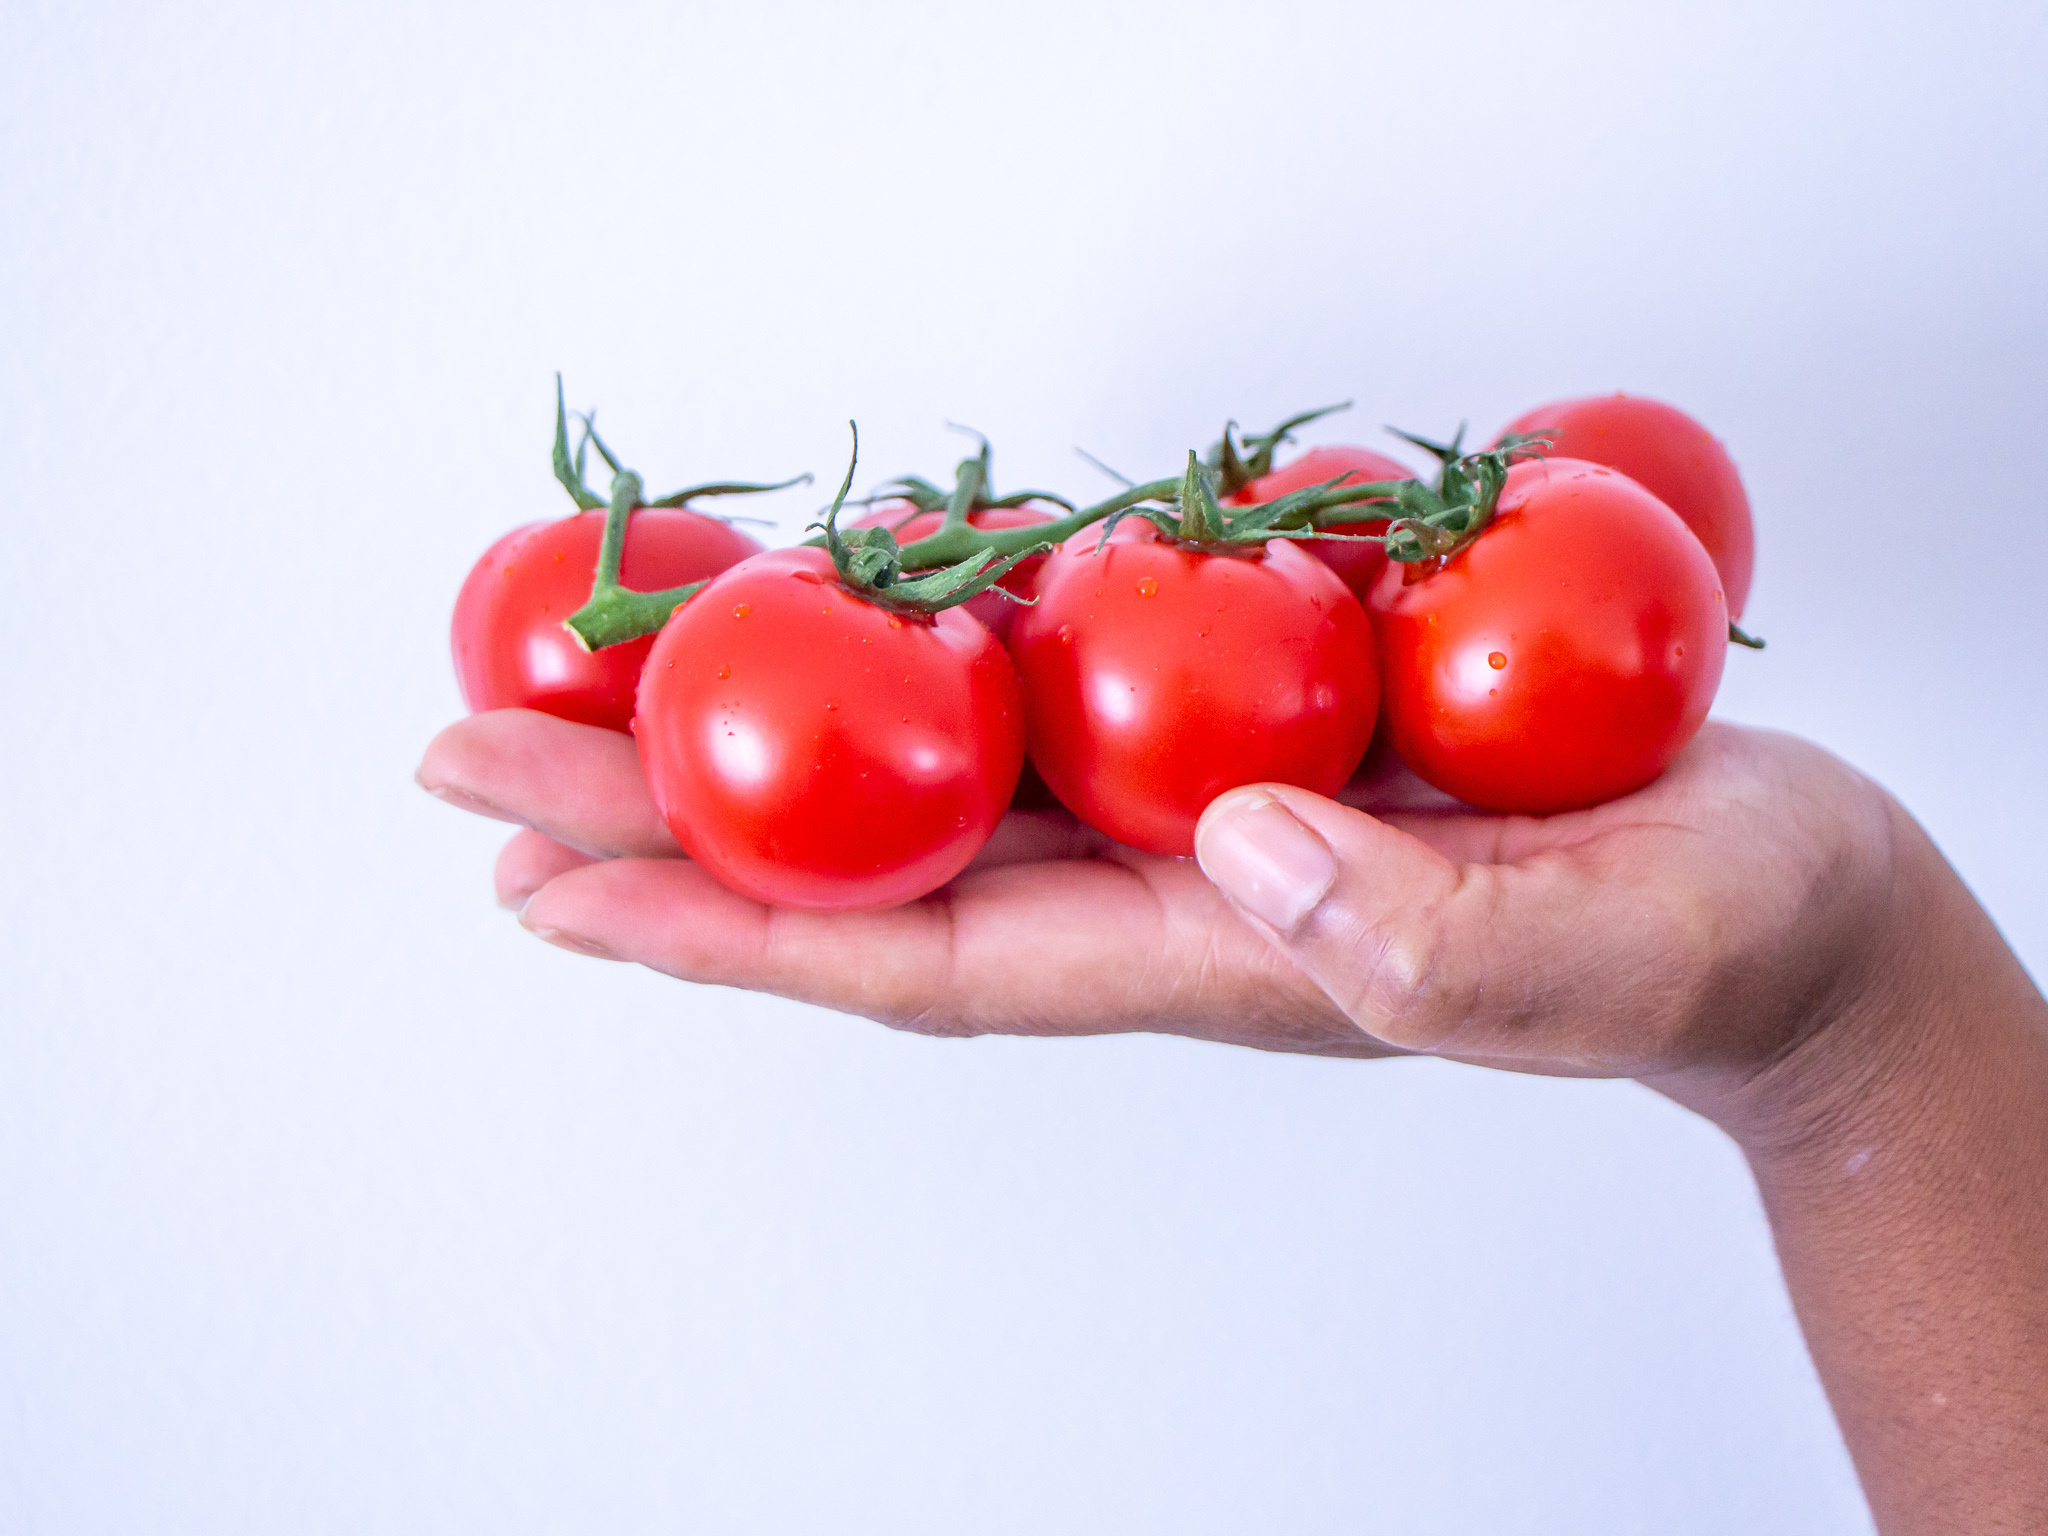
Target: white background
x,y
330,1201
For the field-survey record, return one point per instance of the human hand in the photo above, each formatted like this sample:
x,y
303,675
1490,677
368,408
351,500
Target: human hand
x,y
1762,934
1685,934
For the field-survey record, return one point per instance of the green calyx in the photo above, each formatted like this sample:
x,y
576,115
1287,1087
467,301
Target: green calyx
x,y
1435,522
1236,462
1196,517
871,563
973,491
614,614
1422,522
570,472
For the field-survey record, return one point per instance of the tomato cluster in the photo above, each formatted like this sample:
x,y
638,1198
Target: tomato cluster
x,y
841,725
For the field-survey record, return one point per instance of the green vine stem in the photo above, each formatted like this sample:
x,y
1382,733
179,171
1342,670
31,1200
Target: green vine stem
x,y
1422,523
1238,462
615,614
870,562
973,490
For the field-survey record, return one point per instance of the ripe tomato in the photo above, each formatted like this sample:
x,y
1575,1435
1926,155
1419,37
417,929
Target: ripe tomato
x,y
1561,658
812,749
909,525
1359,563
510,647
1157,677
1671,456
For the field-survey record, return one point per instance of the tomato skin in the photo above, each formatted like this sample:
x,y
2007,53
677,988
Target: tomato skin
x,y
1672,457
811,749
995,613
1155,678
510,648
1607,622
1358,563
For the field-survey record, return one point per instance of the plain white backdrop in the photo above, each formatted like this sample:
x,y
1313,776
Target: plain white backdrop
x,y
331,1201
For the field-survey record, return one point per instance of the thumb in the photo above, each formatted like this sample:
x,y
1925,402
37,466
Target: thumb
x,y
1370,913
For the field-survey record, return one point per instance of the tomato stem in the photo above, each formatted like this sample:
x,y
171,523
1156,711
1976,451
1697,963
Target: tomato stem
x,y
1238,462
616,614
973,490
870,561
950,545
571,474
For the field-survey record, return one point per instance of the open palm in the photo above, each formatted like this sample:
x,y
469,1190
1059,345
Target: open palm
x,y
1630,939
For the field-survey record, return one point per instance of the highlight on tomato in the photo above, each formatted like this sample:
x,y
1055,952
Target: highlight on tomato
x,y
1172,657
1672,457
820,729
1554,642
510,646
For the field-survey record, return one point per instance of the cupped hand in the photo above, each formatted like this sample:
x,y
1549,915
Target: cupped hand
x,y
1700,926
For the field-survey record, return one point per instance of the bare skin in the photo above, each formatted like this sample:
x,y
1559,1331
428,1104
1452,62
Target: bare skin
x,y
1763,935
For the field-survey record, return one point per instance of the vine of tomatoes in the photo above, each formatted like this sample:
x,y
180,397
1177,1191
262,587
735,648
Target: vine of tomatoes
x,y
1542,626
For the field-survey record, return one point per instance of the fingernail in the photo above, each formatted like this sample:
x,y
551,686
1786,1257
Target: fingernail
x,y
1258,855
561,938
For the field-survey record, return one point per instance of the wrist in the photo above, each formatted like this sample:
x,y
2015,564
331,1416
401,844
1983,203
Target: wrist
x,y
1900,1147
1888,1033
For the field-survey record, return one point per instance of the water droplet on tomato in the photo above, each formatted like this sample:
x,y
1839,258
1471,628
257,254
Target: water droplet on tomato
x,y
741,610
831,706
1066,634
722,671
894,622
1147,587
1496,660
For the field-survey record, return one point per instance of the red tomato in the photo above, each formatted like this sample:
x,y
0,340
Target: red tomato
x,y
994,612
812,749
1671,456
1155,678
510,648
1358,563
1561,658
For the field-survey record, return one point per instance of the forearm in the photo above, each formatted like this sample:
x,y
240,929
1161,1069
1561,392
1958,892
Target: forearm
x,y
1902,1156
